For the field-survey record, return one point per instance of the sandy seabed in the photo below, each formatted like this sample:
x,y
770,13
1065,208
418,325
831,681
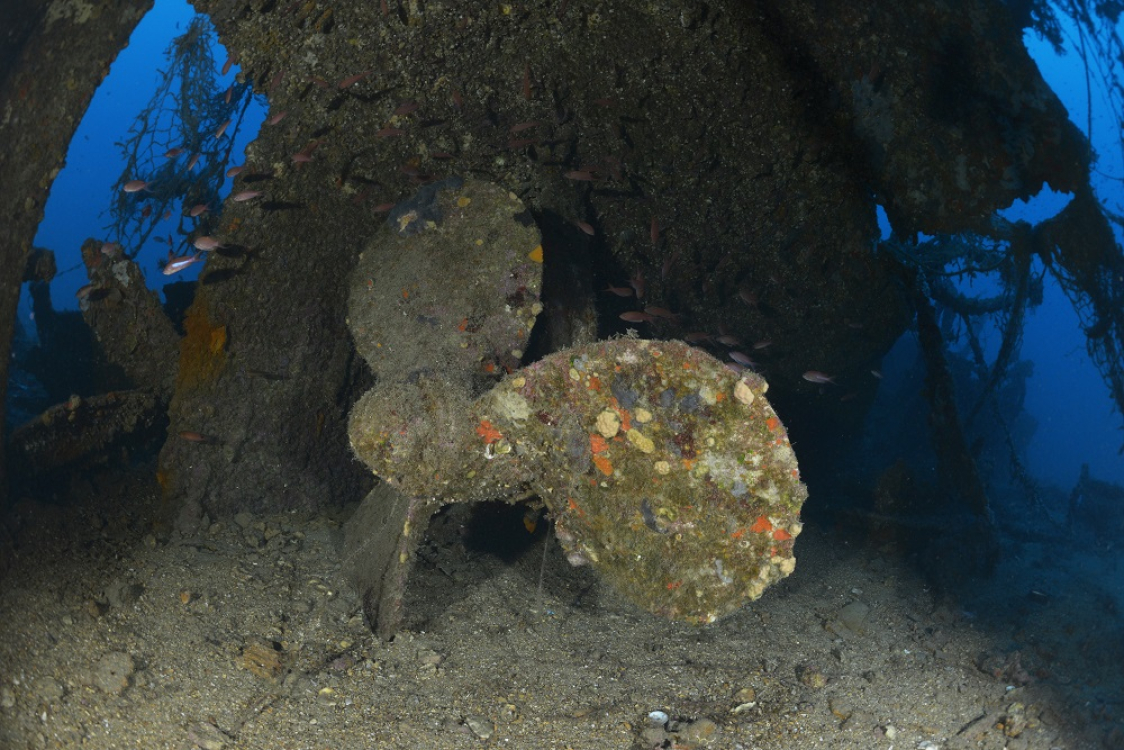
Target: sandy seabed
x,y
116,633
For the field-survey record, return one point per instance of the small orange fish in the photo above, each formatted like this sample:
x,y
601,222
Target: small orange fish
x,y
742,359
661,312
135,186
246,195
352,80
222,129
620,291
172,153
635,316
277,117
192,436
176,265
206,243
406,108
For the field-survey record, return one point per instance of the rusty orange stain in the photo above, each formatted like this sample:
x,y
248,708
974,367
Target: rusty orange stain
x,y
761,525
604,465
462,325
772,423
781,535
488,432
597,443
536,254
594,383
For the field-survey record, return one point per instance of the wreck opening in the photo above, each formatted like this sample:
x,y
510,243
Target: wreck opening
x,y
166,116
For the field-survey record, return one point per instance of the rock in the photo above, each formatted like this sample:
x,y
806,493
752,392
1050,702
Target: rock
x,y
112,672
480,726
853,616
811,676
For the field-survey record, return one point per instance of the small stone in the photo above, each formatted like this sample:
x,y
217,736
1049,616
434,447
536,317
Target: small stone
x,y
261,659
429,659
743,393
746,695
853,616
701,731
112,672
841,708
480,726
207,736
122,595
1015,722
811,677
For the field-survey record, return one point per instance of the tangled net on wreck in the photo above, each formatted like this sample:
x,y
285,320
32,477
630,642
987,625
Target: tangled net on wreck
x,y
1077,248
178,145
